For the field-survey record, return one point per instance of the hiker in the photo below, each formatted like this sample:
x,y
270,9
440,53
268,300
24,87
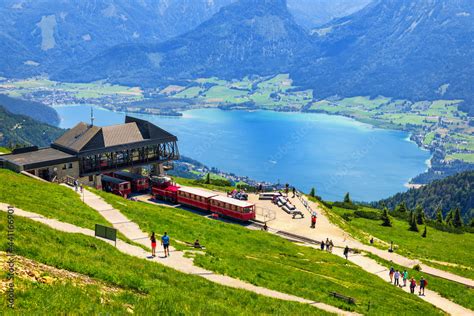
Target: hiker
x,y
81,186
287,189
76,183
372,240
313,221
346,252
330,245
327,244
412,285
294,192
260,188
423,284
165,241
397,277
405,277
153,244
390,274
197,244
322,245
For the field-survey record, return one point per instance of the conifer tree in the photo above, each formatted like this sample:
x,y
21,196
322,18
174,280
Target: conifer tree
x,y
386,218
457,219
439,216
424,233
420,215
312,193
449,218
208,178
347,198
413,226
401,208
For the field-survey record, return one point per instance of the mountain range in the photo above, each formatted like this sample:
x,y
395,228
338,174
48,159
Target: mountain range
x,y
406,49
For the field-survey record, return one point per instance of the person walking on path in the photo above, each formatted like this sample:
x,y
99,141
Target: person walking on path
x,y
294,192
405,277
322,244
346,252
390,274
412,285
153,244
313,221
165,241
76,183
423,284
327,244
397,277
330,245
81,186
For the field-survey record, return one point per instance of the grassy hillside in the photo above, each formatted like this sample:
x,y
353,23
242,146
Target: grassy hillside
x,y
449,193
455,249
22,130
270,261
48,199
145,287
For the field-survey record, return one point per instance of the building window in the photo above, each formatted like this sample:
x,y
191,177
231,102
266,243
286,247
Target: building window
x,y
70,165
64,167
91,178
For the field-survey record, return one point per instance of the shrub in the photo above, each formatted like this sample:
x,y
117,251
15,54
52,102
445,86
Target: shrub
x,y
417,267
386,218
424,233
367,214
345,205
347,216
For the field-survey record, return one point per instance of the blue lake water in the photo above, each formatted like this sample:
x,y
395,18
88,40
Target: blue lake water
x,y
334,154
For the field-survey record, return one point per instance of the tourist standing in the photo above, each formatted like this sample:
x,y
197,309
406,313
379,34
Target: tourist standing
x,y
423,284
330,245
346,252
81,186
153,244
322,244
397,277
412,285
76,183
405,277
294,192
327,244
313,221
390,274
165,241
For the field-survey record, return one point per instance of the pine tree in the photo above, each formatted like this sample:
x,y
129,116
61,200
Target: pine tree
x,y
420,215
401,208
457,219
312,193
208,178
449,218
413,226
439,216
386,218
347,198
424,233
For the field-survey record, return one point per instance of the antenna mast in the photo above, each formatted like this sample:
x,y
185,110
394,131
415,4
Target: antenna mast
x,y
92,116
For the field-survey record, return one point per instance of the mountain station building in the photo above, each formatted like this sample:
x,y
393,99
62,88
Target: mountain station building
x,y
86,151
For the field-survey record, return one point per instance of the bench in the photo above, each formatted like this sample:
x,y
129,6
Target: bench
x,y
348,299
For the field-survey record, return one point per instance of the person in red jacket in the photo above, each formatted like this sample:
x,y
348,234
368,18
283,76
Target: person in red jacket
x,y
313,221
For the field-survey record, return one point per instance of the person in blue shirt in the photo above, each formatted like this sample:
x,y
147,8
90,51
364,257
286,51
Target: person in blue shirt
x,y
165,241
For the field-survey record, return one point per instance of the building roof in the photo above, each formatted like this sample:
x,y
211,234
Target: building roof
x,y
84,137
39,158
232,201
199,192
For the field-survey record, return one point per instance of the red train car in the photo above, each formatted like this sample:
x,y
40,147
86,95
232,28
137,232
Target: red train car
x,y
162,188
195,197
139,183
233,208
116,186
